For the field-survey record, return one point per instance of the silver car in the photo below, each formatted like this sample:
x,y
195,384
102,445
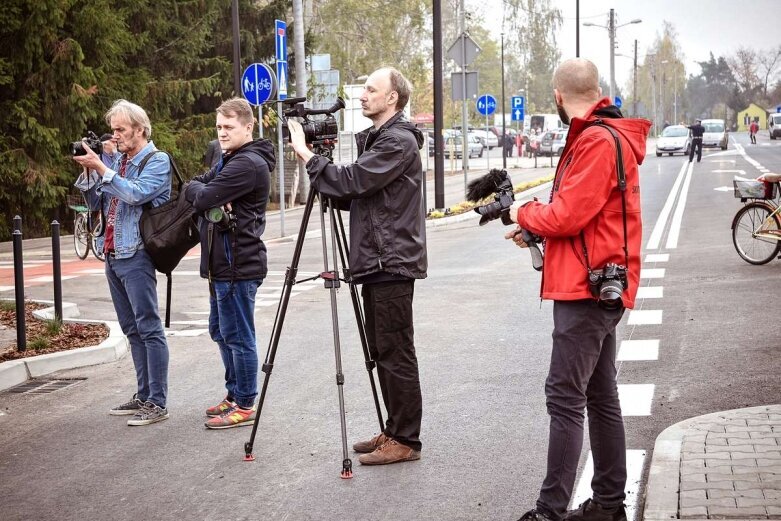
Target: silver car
x,y
715,133
675,139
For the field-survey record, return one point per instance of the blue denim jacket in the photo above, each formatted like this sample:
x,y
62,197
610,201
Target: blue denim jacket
x,y
133,191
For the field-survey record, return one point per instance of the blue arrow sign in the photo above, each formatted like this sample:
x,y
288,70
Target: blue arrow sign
x,y
486,104
258,84
617,102
517,114
280,37
517,103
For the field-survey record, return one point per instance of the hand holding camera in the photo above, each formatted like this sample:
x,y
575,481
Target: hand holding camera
x,y
87,152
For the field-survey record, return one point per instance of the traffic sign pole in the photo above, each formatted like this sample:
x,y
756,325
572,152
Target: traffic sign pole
x,y
280,37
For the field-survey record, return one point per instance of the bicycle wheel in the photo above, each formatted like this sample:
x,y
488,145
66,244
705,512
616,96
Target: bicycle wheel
x,y
96,229
81,235
752,249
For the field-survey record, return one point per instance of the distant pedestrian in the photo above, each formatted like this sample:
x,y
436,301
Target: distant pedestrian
x,y
752,132
508,145
697,131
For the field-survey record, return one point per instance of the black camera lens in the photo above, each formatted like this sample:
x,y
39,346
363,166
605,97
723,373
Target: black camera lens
x,y
77,148
610,294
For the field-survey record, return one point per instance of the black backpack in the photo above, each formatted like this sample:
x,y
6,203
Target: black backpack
x,y
168,231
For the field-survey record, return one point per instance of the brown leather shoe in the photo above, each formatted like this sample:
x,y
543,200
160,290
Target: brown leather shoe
x,y
371,445
390,452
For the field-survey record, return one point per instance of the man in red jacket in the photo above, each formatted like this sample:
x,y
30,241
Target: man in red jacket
x,y
583,227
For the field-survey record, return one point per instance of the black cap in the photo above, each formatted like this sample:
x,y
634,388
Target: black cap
x,y
106,137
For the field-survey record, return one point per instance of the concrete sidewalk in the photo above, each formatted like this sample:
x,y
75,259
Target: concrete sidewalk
x,y
724,465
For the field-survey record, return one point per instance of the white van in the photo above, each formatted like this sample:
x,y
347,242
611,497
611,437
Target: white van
x,y
715,133
774,125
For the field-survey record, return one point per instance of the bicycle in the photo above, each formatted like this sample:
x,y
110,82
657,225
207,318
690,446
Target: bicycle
x,y
85,230
756,228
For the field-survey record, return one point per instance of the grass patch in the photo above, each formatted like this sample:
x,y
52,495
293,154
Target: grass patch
x,y
39,343
7,305
53,327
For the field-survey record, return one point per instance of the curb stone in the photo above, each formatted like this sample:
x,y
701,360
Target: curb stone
x,y
15,372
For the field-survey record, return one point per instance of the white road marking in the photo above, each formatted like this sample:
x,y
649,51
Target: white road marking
x,y
661,222
191,322
651,273
636,399
637,350
675,224
657,257
635,459
187,332
49,278
640,317
650,292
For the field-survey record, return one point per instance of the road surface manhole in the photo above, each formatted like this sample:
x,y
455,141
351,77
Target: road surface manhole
x,y
44,385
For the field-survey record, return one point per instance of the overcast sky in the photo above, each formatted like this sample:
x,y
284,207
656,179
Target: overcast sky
x,y
703,26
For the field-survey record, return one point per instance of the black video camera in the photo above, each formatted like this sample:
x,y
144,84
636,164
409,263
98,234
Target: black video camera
x,y
499,184
322,134
92,141
222,217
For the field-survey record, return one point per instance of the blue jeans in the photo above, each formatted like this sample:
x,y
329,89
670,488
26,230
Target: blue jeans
x,y
582,377
133,288
232,326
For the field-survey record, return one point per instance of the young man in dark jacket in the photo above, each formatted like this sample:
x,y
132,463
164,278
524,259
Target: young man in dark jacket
x,y
583,226
387,250
232,197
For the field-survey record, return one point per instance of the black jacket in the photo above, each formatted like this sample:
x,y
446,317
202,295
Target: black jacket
x,y
243,179
387,218
697,130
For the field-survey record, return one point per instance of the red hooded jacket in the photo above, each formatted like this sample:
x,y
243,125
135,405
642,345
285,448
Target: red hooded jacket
x,y
585,197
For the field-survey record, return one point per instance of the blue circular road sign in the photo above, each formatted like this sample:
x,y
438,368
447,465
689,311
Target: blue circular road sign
x,y
258,83
486,104
617,102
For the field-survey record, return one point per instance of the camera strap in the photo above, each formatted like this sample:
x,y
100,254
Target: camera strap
x,y
621,174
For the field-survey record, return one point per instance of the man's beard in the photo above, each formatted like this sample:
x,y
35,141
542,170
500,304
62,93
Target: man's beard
x,y
562,114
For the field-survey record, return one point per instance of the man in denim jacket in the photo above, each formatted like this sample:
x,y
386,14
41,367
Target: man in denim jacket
x,y
119,193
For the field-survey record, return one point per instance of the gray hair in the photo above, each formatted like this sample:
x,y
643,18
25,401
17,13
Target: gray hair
x,y
133,113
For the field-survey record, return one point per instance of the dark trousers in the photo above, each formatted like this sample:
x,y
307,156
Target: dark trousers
x,y
583,376
696,145
389,333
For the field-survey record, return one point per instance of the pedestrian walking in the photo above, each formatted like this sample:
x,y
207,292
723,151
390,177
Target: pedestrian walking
x,y
752,131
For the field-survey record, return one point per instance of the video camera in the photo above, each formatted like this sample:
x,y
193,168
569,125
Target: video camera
x,y
499,184
322,134
92,141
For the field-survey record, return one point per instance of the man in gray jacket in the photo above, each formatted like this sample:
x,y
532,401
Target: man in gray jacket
x,y
387,250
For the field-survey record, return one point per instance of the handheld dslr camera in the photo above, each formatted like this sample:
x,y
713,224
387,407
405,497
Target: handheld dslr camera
x,y
92,141
499,184
322,134
607,285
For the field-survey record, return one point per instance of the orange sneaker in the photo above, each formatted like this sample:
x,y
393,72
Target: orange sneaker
x,y
233,417
220,408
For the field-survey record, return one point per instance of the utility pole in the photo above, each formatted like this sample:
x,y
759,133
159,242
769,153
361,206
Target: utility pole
x,y
464,126
634,86
302,85
611,28
236,48
439,161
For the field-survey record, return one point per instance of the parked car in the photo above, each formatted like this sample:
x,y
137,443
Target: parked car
x,y
474,147
774,125
487,139
553,142
715,133
675,139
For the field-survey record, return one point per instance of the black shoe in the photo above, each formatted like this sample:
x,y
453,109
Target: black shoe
x,y
592,511
534,515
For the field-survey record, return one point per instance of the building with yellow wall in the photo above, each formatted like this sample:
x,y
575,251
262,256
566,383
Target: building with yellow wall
x,y
750,113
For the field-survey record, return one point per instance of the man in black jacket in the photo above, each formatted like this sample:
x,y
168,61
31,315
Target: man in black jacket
x,y
233,196
387,250
697,131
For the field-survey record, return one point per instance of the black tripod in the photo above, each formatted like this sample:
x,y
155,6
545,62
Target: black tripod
x,y
331,281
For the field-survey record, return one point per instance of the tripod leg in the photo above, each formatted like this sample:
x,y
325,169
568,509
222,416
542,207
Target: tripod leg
x,y
332,282
279,320
344,253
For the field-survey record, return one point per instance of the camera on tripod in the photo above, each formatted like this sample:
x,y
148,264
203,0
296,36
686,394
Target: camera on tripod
x,y
322,134
499,184
91,140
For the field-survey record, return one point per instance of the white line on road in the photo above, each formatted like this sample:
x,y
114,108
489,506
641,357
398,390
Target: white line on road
x,y
675,224
638,350
661,222
635,459
187,332
651,273
636,399
650,292
641,317
657,257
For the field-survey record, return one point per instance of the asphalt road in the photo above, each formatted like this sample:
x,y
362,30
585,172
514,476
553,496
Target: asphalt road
x,y
483,341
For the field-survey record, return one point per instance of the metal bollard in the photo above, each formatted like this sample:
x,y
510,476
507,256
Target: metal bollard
x,y
57,271
21,334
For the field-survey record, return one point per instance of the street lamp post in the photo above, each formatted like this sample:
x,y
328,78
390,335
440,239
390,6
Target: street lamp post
x,y
611,29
